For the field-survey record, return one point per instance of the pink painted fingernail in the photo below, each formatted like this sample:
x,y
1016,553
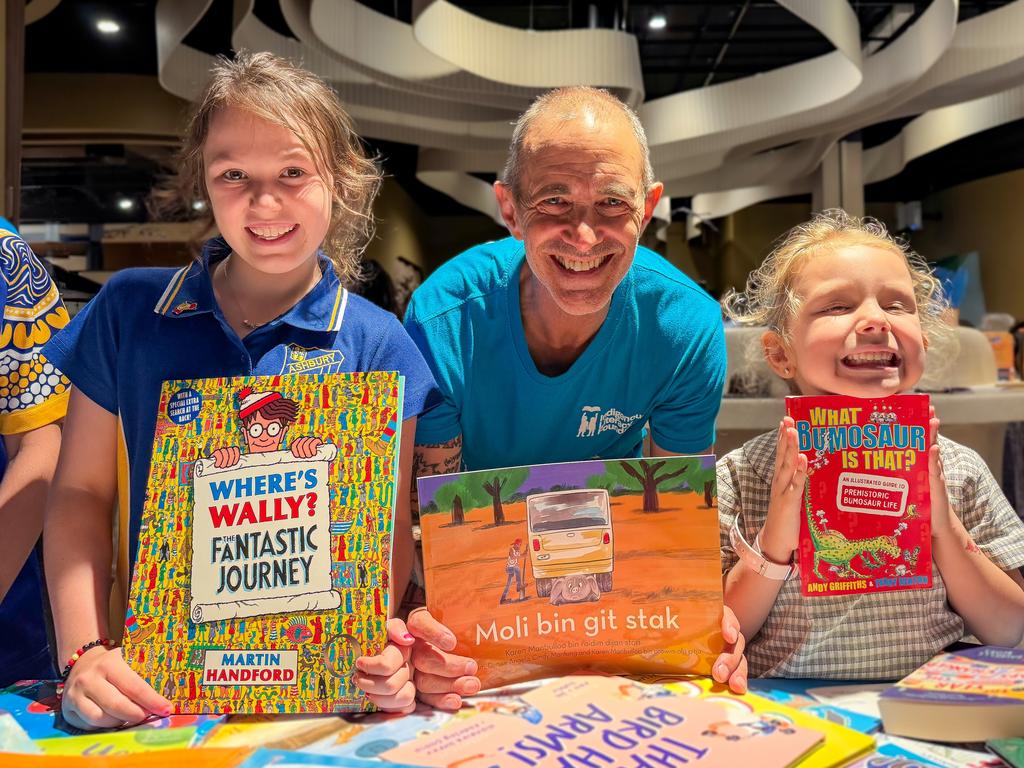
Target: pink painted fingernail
x,y
407,636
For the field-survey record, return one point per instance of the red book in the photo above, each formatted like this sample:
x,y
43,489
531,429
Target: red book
x,y
866,524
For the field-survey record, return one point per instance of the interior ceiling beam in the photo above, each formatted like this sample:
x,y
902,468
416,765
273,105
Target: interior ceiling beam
x,y
725,45
737,42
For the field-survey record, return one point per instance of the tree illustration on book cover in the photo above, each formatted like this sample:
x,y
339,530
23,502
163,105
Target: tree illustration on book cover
x,y
610,565
265,545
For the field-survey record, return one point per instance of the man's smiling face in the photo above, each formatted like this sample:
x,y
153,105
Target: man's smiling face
x,y
580,206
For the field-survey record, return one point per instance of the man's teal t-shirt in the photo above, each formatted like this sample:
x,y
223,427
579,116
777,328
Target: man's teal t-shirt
x,y
659,357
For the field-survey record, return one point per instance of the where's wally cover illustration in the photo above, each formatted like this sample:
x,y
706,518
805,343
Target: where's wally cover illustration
x,y
265,549
866,523
609,565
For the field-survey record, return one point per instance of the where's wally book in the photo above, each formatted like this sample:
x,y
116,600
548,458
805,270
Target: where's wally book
x,y
265,548
609,565
866,522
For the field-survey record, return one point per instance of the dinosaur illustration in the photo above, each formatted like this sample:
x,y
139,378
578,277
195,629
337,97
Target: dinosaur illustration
x,y
834,548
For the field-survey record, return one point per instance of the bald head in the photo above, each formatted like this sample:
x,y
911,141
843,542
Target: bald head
x,y
588,106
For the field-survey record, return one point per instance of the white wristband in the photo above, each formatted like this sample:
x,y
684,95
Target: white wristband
x,y
755,560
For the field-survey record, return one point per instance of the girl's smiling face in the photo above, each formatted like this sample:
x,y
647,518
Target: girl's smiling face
x,y
268,197
857,331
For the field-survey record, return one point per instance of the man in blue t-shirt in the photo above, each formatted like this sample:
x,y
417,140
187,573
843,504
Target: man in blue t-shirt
x,y
564,341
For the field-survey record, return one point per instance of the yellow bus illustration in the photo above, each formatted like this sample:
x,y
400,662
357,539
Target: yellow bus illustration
x,y
570,533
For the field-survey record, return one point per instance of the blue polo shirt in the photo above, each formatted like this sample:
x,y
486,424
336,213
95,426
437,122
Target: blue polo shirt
x,y
150,325
658,358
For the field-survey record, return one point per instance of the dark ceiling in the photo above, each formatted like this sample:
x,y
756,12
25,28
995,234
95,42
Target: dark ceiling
x,y
701,43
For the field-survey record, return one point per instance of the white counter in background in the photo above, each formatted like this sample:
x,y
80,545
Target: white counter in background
x,y
976,418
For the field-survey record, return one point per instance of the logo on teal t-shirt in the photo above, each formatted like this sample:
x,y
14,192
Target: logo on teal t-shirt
x,y
596,420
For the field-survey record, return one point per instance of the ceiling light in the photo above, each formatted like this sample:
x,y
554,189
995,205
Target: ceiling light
x,y
125,204
657,22
108,26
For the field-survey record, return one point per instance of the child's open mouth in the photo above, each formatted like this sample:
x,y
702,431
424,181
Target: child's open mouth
x,y
270,234
872,360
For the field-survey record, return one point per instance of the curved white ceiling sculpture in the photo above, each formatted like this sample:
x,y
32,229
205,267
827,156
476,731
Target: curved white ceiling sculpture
x,y
535,60
453,83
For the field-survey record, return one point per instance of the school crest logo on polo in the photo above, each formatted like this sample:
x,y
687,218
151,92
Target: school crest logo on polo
x,y
185,306
304,360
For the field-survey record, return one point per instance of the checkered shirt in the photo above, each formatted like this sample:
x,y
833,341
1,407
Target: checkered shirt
x,y
880,636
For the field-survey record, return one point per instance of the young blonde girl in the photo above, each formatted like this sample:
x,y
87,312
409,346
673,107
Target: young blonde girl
x,y
274,158
849,310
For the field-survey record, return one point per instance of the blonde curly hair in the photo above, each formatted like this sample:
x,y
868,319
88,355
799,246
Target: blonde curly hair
x,y
284,94
769,299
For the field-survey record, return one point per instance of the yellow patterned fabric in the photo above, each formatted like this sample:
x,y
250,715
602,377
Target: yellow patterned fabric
x,y
32,391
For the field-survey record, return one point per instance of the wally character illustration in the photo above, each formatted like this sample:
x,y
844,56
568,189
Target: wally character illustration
x,y
265,416
261,541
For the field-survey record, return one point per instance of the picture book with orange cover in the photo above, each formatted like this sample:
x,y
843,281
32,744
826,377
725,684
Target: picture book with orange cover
x,y
594,721
608,565
866,522
265,546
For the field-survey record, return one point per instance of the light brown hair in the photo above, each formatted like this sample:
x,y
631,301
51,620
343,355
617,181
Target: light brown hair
x,y
281,93
769,299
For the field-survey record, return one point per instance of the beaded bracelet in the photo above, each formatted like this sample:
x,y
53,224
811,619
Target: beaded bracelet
x,y
78,654
74,659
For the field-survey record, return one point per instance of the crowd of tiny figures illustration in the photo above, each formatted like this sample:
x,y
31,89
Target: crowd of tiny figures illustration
x,y
359,416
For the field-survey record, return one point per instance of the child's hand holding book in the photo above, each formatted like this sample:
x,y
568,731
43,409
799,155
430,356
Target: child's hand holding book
x,y
942,519
102,691
387,678
780,535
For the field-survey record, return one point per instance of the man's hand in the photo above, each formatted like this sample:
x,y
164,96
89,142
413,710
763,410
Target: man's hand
x,y
442,678
387,677
102,691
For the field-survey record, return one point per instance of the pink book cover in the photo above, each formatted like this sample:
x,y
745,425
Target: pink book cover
x,y
866,523
590,721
